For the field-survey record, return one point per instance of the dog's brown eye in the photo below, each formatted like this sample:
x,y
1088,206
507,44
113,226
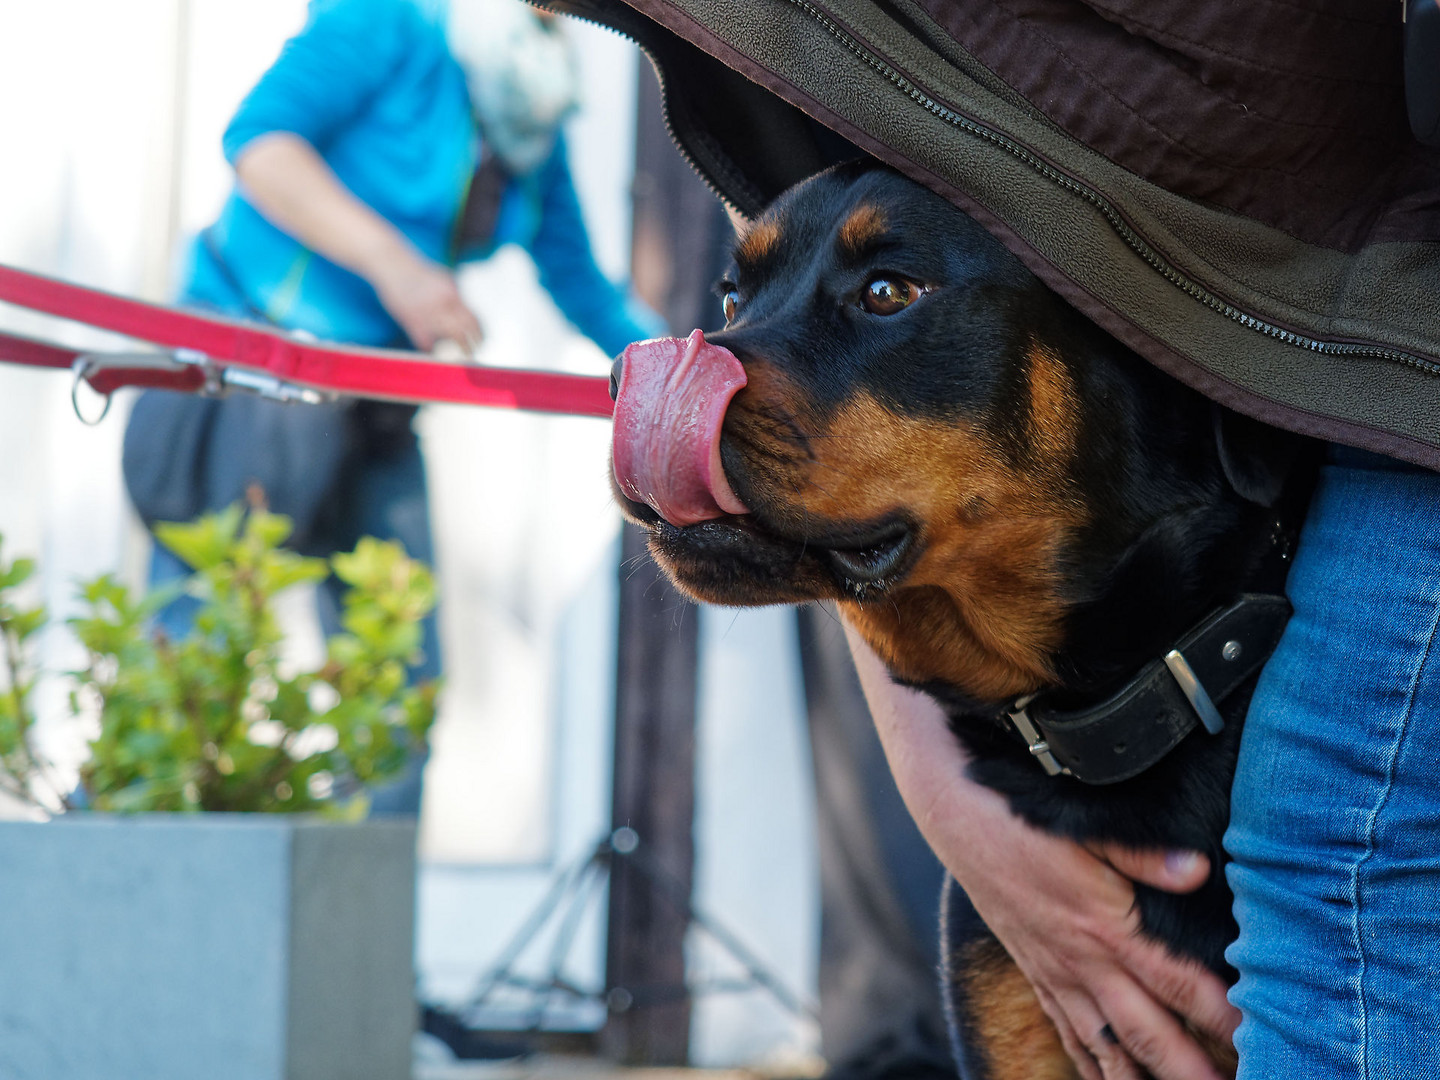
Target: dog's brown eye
x,y
886,296
729,302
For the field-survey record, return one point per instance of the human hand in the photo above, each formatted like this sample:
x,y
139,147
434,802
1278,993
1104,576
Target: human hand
x,y
423,297
1065,913
297,191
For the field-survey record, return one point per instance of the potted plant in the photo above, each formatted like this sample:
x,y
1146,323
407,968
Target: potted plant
x,y
217,908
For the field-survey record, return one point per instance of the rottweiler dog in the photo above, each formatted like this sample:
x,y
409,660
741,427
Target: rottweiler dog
x,y
1003,500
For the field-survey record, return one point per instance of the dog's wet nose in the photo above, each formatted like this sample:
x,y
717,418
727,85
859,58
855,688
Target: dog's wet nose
x,y
615,369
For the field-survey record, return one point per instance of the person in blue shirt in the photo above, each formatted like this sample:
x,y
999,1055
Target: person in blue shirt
x,y
356,156
389,141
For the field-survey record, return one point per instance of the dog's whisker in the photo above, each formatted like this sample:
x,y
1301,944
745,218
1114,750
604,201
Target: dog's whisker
x,y
634,565
810,483
655,583
834,468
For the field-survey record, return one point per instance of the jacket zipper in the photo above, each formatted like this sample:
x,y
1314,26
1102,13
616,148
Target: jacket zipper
x,y
1127,233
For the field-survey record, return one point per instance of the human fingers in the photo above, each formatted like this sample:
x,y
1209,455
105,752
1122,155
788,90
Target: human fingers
x,y
1092,987
1107,1019
1085,1063
1149,1034
427,327
1099,1045
1112,979
457,325
424,298
1169,871
440,315
452,351
464,324
1183,987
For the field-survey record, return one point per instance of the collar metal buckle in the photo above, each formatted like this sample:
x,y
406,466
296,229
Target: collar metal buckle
x,y
1036,741
1194,692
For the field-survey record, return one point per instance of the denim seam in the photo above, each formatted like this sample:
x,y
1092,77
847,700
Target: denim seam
x,y
1370,827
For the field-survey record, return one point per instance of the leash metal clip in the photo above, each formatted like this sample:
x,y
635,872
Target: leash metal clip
x,y
84,366
1032,736
271,388
214,381
92,365
219,381
212,372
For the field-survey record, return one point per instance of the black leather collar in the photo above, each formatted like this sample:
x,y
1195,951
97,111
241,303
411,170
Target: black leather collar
x,y
1128,732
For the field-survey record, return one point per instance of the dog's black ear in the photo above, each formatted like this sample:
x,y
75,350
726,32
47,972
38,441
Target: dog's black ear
x,y
1256,457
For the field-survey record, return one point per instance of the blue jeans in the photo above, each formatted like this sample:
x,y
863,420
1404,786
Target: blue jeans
x,y
385,497
1335,822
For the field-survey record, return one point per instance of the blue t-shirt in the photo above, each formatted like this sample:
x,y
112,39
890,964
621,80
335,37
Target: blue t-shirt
x,y
371,84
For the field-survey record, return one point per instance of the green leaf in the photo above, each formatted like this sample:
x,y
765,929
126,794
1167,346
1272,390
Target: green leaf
x,y
24,624
209,722
205,542
17,573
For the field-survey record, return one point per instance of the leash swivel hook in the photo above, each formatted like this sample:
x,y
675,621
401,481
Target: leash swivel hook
x,y
86,365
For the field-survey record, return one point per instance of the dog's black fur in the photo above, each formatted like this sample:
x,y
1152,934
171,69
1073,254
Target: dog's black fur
x,y
1000,497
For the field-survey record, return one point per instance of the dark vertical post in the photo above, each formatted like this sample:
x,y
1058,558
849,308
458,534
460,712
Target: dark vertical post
x,y
649,1022
678,225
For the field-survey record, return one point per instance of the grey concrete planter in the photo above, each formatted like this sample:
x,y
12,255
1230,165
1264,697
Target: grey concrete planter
x,y
206,947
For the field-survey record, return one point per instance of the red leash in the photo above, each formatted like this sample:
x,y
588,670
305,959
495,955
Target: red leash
x,y
212,354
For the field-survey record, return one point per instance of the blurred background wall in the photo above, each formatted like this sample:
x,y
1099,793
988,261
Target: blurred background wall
x,y
110,121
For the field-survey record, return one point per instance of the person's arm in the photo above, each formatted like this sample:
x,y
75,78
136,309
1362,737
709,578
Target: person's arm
x,y
1064,912
324,81
288,181
598,308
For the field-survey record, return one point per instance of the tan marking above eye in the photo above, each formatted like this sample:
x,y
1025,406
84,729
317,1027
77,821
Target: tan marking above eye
x,y
1054,409
865,224
759,243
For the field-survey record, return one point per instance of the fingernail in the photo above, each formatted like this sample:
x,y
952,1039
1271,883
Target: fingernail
x,y
1181,863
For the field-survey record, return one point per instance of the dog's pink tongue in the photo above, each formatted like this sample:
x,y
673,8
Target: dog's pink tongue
x,y
668,413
